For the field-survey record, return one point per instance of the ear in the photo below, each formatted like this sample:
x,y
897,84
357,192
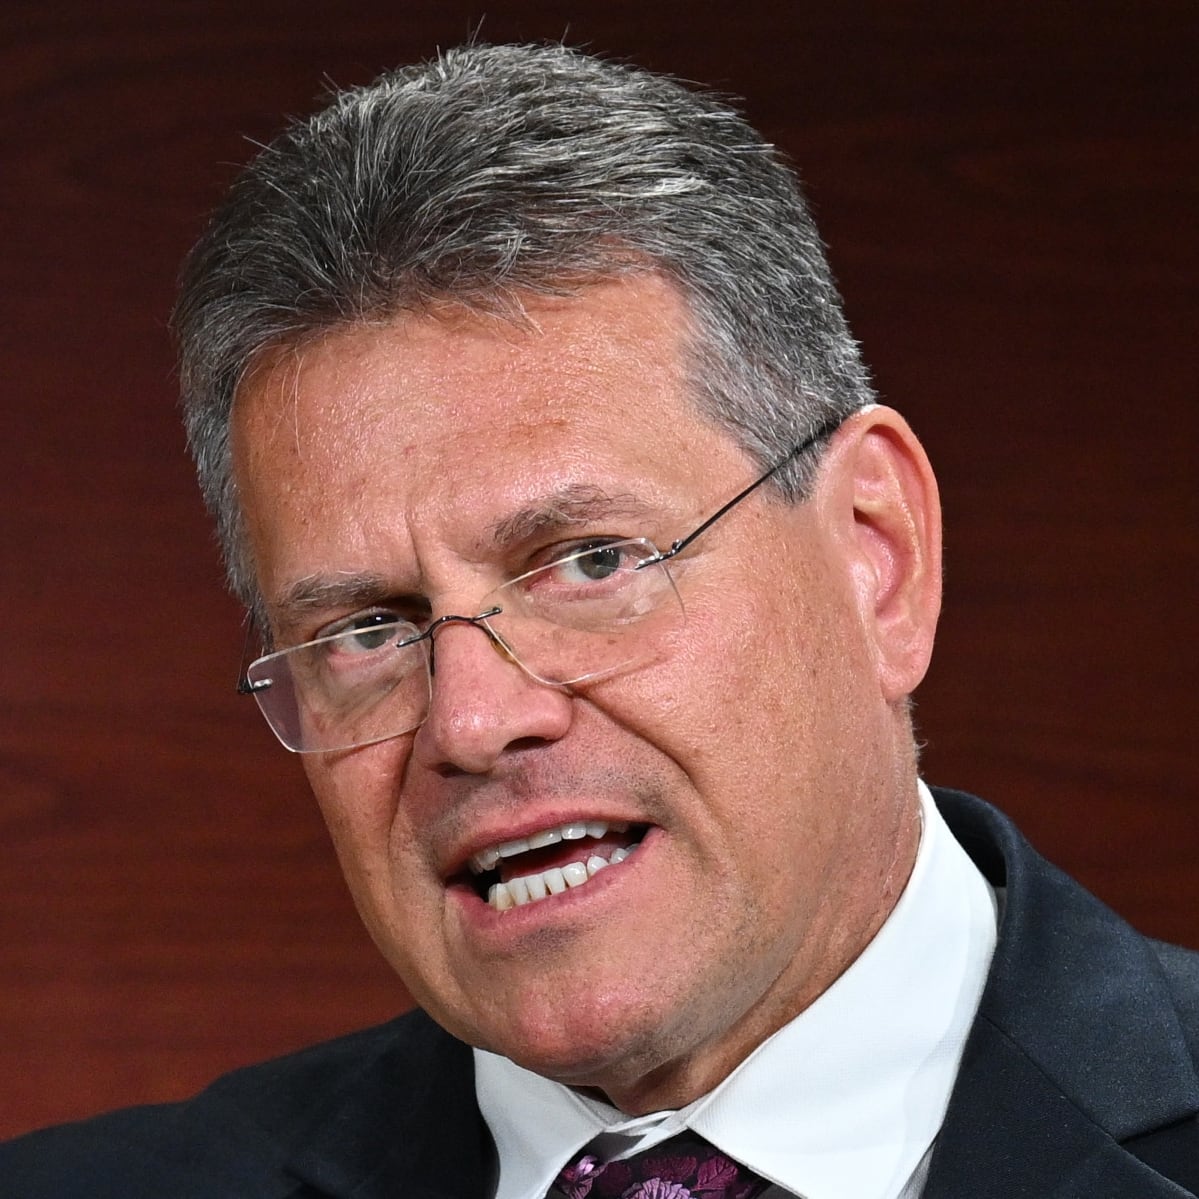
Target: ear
x,y
879,501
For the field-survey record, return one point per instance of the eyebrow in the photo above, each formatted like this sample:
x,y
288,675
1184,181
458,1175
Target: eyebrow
x,y
325,592
576,504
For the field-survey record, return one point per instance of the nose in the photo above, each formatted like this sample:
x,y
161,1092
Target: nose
x,y
483,703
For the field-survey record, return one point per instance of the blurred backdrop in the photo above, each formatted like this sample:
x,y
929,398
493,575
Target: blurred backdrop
x,y
1009,194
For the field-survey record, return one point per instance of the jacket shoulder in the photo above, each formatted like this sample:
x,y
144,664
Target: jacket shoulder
x,y
233,1138
1085,1049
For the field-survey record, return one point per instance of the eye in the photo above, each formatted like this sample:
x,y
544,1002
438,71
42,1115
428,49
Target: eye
x,y
596,563
586,568
594,585
367,633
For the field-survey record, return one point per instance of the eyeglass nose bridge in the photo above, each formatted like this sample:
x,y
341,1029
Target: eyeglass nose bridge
x,y
500,646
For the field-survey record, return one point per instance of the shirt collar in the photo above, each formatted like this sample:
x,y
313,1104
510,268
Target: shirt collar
x,y
841,1103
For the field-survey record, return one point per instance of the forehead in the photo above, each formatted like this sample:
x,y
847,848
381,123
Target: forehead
x,y
562,357
445,427
599,378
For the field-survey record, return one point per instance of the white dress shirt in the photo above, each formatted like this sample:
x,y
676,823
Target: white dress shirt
x,y
845,1101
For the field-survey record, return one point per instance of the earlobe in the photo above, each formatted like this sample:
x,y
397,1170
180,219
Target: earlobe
x,y
879,499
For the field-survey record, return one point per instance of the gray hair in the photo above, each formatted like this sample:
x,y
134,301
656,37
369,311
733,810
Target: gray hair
x,y
494,172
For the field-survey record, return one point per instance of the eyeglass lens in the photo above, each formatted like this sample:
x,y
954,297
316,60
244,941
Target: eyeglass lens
x,y
577,618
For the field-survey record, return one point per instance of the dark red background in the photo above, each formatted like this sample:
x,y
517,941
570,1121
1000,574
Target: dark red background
x,y
1009,193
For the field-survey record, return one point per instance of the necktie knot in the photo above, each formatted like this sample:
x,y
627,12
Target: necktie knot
x,y
684,1167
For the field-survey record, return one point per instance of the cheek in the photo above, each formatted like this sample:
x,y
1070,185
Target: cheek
x,y
357,795
763,691
746,670
718,702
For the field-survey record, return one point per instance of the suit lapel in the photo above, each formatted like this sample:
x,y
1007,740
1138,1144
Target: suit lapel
x,y
1012,1131
1077,1046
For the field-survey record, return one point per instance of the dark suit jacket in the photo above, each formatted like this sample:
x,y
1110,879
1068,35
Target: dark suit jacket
x,y
1080,1071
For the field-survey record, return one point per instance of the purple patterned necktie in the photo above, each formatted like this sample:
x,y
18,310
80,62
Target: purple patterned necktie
x,y
684,1167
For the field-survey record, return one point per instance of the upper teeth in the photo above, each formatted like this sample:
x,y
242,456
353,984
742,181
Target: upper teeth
x,y
488,859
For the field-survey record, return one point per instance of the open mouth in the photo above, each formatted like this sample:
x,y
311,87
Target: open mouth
x,y
551,861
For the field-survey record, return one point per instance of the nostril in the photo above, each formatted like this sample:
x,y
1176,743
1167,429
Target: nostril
x,y
447,769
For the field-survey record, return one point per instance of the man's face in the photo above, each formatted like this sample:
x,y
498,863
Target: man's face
x,y
413,466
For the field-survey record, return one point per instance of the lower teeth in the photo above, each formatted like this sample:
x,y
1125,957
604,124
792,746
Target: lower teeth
x,y
519,891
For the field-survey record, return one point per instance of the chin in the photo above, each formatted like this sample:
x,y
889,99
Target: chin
x,y
610,1044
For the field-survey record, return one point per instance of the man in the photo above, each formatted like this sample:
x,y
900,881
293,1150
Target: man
x,y
593,585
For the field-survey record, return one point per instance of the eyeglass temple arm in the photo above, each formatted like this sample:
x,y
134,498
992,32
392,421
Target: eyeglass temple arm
x,y
244,686
677,547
